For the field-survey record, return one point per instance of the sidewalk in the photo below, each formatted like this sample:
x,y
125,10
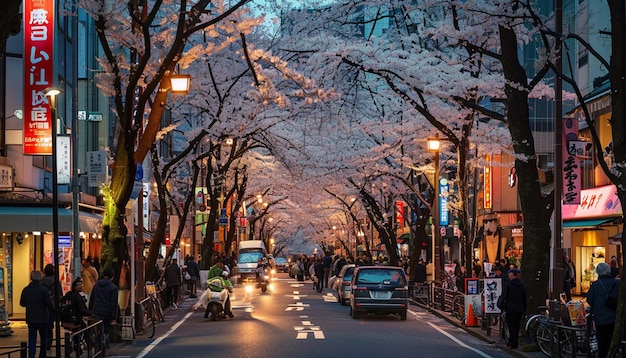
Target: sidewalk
x,y
493,338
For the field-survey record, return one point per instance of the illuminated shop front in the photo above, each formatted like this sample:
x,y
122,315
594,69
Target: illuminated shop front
x,y
587,230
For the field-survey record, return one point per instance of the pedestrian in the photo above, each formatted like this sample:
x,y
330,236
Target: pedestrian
x,y
54,287
173,279
420,272
38,303
314,277
74,310
300,272
569,277
516,302
89,276
320,274
614,267
601,307
327,262
103,303
194,272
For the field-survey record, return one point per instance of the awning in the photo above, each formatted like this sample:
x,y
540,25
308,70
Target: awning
x,y
584,224
39,218
403,239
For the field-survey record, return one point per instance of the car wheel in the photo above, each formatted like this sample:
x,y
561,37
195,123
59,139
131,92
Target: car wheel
x,y
403,316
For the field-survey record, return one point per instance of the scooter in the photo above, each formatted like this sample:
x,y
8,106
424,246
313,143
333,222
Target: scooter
x,y
218,303
263,279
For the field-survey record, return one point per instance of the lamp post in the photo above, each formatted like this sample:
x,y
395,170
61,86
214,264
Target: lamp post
x,y
52,93
434,145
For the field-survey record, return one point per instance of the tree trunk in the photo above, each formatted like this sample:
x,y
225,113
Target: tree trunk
x,y
535,260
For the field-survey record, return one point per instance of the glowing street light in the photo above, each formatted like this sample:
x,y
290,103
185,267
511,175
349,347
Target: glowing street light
x,y
434,145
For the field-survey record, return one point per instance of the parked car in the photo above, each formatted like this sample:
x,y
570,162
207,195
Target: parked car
x,y
281,264
379,289
342,284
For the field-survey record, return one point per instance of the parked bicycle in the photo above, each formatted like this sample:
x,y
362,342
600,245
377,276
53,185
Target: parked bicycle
x,y
152,292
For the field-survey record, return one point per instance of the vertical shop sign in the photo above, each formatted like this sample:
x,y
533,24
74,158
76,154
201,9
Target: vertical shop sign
x,y
487,184
444,187
38,75
400,213
573,148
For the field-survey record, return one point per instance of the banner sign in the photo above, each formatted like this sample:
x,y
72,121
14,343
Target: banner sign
x,y
400,213
38,75
571,162
487,186
444,187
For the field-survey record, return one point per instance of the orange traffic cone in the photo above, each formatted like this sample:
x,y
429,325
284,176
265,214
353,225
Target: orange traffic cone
x,y
470,320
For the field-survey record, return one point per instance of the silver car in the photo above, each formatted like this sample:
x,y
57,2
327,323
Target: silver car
x,y
342,284
379,289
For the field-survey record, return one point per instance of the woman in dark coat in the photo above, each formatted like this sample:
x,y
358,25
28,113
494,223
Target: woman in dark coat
x,y
516,302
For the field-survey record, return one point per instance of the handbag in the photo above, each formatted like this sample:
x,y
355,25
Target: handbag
x,y
187,276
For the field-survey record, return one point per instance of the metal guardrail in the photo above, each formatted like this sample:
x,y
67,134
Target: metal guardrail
x,y
21,351
89,340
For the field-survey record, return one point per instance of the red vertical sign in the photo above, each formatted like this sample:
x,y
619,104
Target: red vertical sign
x,y
573,148
488,183
400,213
38,75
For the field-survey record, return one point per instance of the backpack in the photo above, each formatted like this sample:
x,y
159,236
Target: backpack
x,y
68,312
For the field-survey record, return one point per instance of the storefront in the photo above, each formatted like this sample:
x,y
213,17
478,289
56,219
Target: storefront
x,y
27,244
587,229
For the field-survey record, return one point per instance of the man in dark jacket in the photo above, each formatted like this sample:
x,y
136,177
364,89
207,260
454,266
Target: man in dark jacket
x,y
603,314
516,301
194,272
75,299
173,279
54,287
320,271
103,301
36,298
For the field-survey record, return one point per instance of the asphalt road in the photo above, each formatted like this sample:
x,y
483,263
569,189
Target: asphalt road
x,y
295,321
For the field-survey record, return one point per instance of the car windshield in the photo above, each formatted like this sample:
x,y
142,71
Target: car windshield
x,y
347,275
250,257
280,260
381,276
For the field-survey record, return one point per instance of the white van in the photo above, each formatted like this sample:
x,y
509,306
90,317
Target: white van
x,y
250,252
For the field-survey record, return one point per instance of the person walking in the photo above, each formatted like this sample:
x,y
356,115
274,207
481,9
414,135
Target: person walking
x,y
173,279
516,304
103,303
601,308
90,277
320,274
569,277
38,303
54,287
194,271
420,272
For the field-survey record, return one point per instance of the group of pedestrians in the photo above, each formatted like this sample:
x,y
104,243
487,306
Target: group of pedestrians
x,y
44,291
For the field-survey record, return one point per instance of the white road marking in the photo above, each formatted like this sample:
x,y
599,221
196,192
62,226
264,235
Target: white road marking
x,y
482,354
154,343
306,328
298,306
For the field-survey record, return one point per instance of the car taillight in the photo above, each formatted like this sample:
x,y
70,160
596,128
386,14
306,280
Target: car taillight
x,y
357,288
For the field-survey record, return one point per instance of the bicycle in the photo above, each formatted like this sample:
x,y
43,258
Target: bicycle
x,y
535,322
458,307
152,292
149,316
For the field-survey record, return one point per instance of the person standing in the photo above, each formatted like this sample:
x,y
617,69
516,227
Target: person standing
x,y
614,267
320,274
516,302
173,280
90,276
103,303
420,272
569,277
193,271
38,303
49,281
75,299
603,315
327,262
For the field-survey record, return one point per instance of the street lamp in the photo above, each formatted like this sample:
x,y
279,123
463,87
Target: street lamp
x,y
180,83
434,145
52,93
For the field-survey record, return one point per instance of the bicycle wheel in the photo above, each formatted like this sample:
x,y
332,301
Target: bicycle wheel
x,y
149,323
458,308
545,337
156,304
532,324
